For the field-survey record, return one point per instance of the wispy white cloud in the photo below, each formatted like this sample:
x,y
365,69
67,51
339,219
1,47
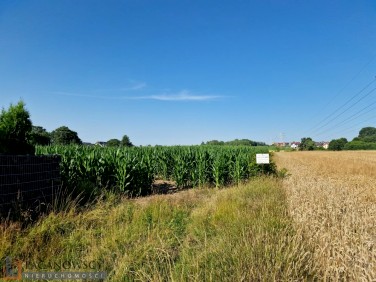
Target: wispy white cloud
x,y
183,95
134,86
138,86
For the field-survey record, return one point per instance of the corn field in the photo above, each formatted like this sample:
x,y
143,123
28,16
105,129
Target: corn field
x,y
133,170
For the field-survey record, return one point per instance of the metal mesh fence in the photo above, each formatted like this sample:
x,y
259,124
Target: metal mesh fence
x,y
28,180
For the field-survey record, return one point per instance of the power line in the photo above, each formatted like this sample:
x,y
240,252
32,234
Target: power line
x,y
352,117
341,90
351,80
351,106
356,125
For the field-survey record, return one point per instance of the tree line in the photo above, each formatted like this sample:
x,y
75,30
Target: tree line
x,y
236,142
19,136
366,140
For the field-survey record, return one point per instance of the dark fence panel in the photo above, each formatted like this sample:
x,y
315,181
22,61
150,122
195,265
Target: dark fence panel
x,y
28,181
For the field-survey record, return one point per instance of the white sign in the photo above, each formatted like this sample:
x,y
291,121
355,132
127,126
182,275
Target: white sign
x,y
262,158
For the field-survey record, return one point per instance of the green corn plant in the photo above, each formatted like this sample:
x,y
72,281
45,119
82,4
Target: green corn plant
x,y
219,168
132,170
180,171
123,176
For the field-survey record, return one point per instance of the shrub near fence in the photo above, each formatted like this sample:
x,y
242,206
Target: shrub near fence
x,y
28,181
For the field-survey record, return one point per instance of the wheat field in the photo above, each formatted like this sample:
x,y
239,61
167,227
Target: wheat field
x,y
332,200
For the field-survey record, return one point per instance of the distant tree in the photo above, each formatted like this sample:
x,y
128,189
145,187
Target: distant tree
x,y
15,128
245,142
307,144
236,142
360,145
337,144
125,141
215,142
371,138
39,136
367,132
113,143
64,136
366,140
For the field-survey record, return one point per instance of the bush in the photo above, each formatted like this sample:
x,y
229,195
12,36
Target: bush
x,y
15,128
337,144
360,145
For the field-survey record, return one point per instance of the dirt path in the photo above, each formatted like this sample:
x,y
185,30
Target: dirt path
x,y
332,199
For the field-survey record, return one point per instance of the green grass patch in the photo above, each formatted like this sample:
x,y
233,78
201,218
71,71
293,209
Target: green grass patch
x,y
236,234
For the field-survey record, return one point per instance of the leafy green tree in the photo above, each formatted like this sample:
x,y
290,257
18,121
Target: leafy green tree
x,y
307,144
64,136
371,139
367,132
337,144
360,145
39,136
113,143
125,141
15,128
236,142
215,142
366,140
245,142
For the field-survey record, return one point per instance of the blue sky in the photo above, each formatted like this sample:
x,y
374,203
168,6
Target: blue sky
x,y
183,72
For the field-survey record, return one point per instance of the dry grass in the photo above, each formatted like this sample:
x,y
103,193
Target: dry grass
x,y
332,199
242,233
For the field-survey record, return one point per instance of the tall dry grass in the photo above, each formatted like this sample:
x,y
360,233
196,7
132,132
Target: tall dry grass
x,y
242,233
332,199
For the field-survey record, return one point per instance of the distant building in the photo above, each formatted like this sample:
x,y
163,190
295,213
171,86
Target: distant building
x,y
280,144
295,145
100,143
87,144
322,144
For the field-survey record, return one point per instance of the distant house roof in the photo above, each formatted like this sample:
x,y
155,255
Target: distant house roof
x,y
100,143
280,144
322,143
87,144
